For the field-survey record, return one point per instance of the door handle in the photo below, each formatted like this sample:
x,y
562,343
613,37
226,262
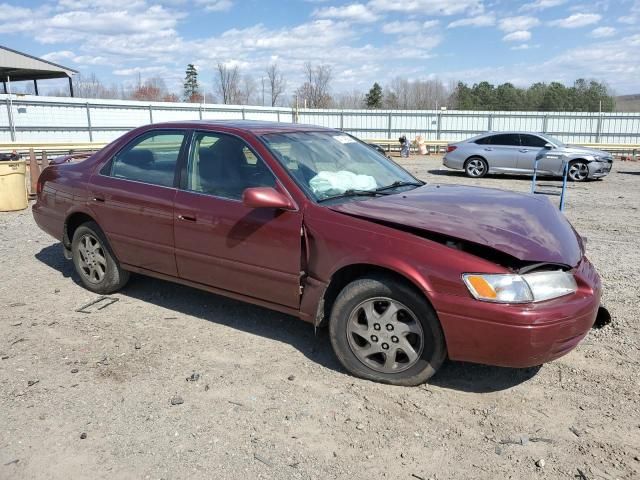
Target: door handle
x,y
488,149
524,151
187,218
98,199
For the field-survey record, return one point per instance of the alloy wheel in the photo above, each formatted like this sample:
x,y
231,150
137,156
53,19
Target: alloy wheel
x,y
476,167
92,260
578,171
385,335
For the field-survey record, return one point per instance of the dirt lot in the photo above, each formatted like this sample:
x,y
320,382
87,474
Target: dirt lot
x,y
88,395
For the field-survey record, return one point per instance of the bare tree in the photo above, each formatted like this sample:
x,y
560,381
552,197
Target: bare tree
x,y
277,83
405,94
352,99
314,93
91,87
247,90
228,84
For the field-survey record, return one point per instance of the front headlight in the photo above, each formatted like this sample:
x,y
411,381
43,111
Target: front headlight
x,y
530,287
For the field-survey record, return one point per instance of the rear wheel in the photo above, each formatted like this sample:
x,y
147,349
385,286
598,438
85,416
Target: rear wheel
x,y
578,171
383,330
98,268
476,167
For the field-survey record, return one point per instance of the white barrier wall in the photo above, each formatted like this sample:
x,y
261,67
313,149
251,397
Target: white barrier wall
x,y
48,119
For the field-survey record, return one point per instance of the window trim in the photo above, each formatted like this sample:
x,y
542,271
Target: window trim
x,y
182,180
186,137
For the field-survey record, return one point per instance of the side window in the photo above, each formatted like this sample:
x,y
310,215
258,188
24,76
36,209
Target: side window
x,y
532,141
484,140
224,166
150,159
507,139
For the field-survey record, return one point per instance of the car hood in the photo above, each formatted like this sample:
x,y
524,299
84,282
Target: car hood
x,y
527,227
577,149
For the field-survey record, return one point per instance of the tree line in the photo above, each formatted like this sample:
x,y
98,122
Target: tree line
x,y
233,87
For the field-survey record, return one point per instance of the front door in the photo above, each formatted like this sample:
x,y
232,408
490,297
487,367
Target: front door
x,y
222,243
531,146
132,200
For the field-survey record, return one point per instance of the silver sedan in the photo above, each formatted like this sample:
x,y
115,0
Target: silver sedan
x,y
516,153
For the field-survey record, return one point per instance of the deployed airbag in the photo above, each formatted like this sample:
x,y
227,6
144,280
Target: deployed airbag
x,y
334,183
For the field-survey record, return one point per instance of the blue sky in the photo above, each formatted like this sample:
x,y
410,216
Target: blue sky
x,y
364,41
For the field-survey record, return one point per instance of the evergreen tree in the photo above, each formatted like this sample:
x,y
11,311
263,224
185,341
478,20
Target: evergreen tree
x,y
374,97
191,88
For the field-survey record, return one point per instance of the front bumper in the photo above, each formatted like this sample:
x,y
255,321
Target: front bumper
x,y
599,169
519,335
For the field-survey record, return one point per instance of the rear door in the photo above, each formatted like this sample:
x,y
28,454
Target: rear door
x,y
501,151
132,199
224,244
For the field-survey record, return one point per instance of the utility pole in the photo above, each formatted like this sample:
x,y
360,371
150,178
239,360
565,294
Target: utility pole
x,y
262,90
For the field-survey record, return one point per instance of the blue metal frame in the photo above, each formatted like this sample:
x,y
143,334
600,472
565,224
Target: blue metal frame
x,y
565,174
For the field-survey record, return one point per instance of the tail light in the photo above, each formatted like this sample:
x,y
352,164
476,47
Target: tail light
x,y
451,148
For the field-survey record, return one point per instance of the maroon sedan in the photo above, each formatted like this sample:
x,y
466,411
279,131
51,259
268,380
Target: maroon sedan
x,y
314,223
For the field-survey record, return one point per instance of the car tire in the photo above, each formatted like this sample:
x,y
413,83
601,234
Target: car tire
x,y
476,167
578,171
94,260
361,326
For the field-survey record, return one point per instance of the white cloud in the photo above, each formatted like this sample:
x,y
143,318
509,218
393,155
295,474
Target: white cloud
x,y
215,5
542,5
603,32
517,36
514,24
524,46
429,7
11,12
484,20
577,20
410,27
356,12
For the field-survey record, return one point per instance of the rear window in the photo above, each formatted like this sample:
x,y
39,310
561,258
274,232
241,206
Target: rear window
x,y
507,139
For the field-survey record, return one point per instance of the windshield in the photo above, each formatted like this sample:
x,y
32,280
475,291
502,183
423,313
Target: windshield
x,y
332,164
554,140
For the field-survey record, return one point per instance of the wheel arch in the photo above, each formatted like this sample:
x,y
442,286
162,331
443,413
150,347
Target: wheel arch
x,y
471,157
71,223
348,273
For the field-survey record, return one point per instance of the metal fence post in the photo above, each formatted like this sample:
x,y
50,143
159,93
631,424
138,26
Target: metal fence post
x,y
599,128
243,114
490,122
341,120
150,114
389,120
278,113
438,124
89,126
545,123
12,127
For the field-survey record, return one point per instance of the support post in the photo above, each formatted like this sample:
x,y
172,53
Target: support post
x,y
89,122
70,86
243,115
599,128
150,114
438,124
200,114
490,122
341,120
35,86
389,121
545,123
12,127
33,171
4,84
278,113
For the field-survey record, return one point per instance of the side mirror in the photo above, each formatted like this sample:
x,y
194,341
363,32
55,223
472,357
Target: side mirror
x,y
549,146
266,197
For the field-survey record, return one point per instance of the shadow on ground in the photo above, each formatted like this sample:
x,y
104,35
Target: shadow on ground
x,y
283,328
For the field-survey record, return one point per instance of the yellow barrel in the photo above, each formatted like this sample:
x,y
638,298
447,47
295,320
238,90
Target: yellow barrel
x,y
13,186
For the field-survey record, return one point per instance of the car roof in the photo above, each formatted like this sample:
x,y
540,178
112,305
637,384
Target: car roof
x,y
509,132
256,127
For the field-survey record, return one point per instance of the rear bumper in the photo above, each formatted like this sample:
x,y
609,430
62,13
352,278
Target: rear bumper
x,y
452,163
519,335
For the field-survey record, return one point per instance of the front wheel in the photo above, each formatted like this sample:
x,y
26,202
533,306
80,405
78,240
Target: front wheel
x,y
476,167
98,268
578,171
383,330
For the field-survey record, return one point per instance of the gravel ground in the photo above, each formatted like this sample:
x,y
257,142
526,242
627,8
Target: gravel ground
x,y
105,394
